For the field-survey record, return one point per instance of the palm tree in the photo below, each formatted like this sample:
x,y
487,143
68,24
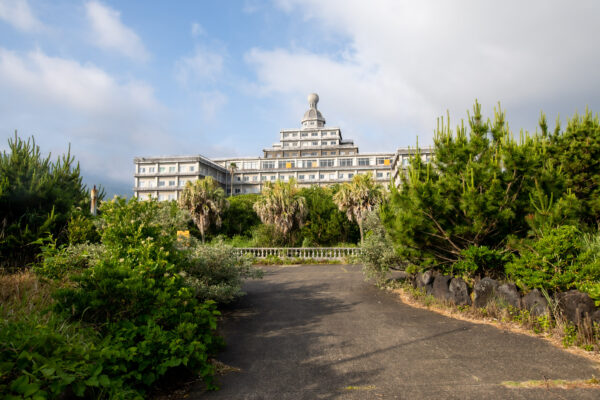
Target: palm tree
x,y
232,168
358,198
205,200
281,206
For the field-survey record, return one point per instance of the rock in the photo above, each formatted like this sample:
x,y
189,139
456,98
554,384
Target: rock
x,y
535,302
399,275
459,292
440,288
425,278
508,294
425,281
484,291
575,305
595,317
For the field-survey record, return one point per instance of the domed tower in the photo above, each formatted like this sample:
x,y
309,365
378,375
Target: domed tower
x,y
313,117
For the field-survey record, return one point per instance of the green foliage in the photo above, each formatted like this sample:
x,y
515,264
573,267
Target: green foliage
x,y
37,196
475,193
216,272
283,207
358,198
556,262
57,262
266,235
205,200
378,254
41,360
480,261
81,229
577,151
325,225
240,218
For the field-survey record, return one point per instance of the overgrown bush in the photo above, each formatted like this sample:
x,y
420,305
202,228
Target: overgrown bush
x,y
378,255
557,261
37,197
240,218
216,272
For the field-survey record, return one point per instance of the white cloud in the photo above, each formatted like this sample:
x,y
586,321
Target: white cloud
x,y
108,32
197,29
62,101
202,67
18,14
406,62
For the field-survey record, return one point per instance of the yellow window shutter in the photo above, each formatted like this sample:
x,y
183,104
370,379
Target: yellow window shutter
x,y
288,165
314,164
386,161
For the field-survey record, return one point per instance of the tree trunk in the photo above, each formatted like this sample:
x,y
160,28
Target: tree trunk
x,y
201,226
360,228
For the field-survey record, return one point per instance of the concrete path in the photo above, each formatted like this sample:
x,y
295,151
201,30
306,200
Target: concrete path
x,y
321,332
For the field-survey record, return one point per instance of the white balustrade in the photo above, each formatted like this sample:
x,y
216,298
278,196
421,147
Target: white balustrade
x,y
317,253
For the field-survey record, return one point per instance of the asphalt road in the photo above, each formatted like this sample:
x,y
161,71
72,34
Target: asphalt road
x,y
321,332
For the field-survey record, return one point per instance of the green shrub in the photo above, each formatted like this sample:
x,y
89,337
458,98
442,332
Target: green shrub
x,y
479,260
378,254
267,236
216,272
240,218
550,262
37,197
59,261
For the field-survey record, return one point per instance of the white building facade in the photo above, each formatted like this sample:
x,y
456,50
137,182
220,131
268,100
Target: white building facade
x,y
314,154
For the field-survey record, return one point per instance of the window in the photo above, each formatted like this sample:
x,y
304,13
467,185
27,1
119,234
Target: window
x,y
312,177
286,135
171,183
142,170
268,164
383,161
286,164
304,134
380,174
350,153
171,197
363,161
246,178
331,177
340,176
238,179
182,182
263,178
301,177
192,168
315,134
161,183
237,191
350,176
322,176
333,143
171,169
273,177
151,169
255,178
310,163
326,163
141,183
286,144
250,165
162,197
405,161
346,162
315,143
161,169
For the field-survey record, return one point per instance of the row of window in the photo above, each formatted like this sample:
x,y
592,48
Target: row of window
x,y
308,154
151,170
312,134
324,163
314,143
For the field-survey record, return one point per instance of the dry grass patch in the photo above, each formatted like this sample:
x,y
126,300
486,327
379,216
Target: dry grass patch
x,y
554,384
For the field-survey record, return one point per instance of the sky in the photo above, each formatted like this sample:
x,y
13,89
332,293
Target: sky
x,y
119,79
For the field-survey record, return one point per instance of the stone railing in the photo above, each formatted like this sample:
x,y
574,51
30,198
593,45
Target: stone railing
x,y
317,253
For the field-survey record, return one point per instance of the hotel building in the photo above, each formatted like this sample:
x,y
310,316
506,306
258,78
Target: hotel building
x,y
314,154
